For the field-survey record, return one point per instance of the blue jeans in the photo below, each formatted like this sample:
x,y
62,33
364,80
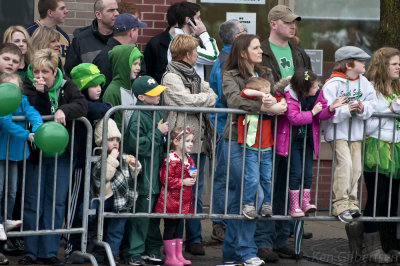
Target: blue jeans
x,y
219,186
12,187
114,228
256,174
239,242
193,226
296,165
269,233
45,246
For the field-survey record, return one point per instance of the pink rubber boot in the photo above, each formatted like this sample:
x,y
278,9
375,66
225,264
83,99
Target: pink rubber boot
x,y
306,206
179,256
170,253
294,208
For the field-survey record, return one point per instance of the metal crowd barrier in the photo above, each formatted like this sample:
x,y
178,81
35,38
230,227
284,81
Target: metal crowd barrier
x,y
68,229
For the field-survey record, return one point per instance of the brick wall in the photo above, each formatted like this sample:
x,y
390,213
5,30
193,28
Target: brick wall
x,y
154,13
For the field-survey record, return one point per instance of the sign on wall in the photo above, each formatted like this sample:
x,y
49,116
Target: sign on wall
x,y
248,20
249,2
316,57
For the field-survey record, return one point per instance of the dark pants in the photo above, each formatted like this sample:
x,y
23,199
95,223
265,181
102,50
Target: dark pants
x,y
171,228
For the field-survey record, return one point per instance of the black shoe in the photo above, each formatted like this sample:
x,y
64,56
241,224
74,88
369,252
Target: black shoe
x,y
287,252
50,261
307,235
267,255
13,247
26,260
195,249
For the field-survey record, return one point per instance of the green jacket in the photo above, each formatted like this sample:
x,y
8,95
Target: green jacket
x,y
119,92
145,142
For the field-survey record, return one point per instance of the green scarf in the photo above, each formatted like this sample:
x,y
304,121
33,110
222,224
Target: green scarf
x,y
53,96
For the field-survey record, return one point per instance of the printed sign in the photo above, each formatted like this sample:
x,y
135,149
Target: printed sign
x,y
248,20
316,57
249,2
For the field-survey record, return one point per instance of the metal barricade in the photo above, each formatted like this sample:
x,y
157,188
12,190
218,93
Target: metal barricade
x,y
54,229
213,164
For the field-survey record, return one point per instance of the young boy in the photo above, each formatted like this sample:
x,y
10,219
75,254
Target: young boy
x,y
125,61
143,234
347,80
10,56
258,172
119,187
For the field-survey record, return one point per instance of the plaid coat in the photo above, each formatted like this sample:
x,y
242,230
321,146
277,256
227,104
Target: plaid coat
x,y
120,181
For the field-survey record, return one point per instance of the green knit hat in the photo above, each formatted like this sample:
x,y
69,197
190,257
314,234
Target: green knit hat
x,y
87,75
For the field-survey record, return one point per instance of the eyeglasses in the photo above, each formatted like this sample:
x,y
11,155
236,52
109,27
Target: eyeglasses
x,y
243,31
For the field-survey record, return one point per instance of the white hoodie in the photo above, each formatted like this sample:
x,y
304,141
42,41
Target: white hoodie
x,y
337,87
386,123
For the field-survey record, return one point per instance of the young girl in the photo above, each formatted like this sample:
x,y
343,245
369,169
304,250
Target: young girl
x,y
180,148
18,136
306,106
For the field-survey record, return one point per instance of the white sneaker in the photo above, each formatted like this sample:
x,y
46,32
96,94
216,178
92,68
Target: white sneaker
x,y
254,262
3,235
12,224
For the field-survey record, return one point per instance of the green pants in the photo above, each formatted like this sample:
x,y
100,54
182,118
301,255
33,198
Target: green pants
x,y
143,235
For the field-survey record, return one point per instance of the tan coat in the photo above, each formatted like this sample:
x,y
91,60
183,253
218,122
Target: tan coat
x,y
178,95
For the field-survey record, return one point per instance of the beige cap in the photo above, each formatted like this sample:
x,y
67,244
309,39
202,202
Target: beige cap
x,y
282,12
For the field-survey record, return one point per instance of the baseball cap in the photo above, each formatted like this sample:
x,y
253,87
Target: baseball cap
x,y
351,52
146,85
126,21
282,12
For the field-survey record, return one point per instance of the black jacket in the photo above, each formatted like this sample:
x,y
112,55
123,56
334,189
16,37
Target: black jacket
x,y
70,101
86,45
155,55
300,59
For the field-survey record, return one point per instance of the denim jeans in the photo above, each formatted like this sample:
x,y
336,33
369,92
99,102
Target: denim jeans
x,y
45,246
256,174
274,234
296,165
114,228
239,242
12,187
193,226
219,186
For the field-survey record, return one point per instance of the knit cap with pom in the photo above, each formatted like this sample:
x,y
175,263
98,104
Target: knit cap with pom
x,y
112,131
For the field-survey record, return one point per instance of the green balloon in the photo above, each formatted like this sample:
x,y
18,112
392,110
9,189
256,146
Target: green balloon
x,y
51,138
10,98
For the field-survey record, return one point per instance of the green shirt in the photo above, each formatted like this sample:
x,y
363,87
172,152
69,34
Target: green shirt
x,y
284,58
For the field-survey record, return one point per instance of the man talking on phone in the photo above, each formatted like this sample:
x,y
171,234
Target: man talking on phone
x,y
189,22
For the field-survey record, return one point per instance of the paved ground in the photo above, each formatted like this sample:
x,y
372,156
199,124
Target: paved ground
x,y
328,246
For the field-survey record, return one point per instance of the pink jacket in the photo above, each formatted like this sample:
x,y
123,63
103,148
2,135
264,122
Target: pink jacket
x,y
297,118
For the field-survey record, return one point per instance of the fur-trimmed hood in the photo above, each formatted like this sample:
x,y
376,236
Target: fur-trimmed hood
x,y
279,87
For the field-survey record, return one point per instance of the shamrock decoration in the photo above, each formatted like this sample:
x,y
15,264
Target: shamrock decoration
x,y
285,63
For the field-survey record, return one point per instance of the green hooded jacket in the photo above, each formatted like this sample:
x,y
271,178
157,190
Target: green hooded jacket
x,y
145,141
119,92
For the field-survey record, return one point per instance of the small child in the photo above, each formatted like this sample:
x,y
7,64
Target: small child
x,y
18,136
306,107
347,80
10,57
119,188
180,150
258,173
143,234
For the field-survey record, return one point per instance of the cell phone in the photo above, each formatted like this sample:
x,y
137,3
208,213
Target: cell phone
x,y
191,21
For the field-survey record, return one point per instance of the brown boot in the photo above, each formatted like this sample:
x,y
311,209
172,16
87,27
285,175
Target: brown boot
x,y
355,232
374,250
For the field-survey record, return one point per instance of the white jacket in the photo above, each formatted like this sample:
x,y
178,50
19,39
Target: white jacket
x,y
336,87
386,123
206,55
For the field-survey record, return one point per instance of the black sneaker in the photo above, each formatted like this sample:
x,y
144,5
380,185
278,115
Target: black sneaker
x,y
26,260
153,259
136,260
50,261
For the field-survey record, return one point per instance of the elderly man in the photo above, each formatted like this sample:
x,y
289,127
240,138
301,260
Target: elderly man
x,y
282,58
88,41
228,31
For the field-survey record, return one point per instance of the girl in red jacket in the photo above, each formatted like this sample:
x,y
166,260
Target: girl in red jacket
x,y
176,184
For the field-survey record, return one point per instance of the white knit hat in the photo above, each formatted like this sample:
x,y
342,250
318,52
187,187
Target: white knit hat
x,y
112,131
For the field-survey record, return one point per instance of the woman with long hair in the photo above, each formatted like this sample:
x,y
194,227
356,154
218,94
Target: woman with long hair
x,y
19,36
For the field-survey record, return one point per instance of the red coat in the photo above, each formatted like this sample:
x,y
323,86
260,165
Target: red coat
x,y
174,186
